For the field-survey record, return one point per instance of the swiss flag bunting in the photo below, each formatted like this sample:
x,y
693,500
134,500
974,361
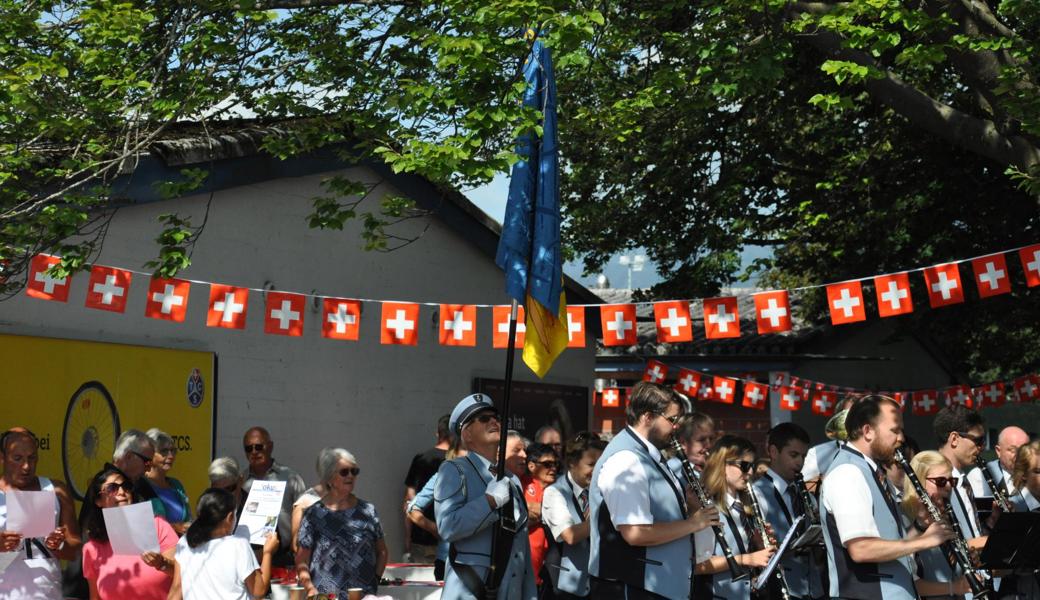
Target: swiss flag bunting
x,y
845,301
790,398
959,394
725,389
901,398
611,398
340,318
756,395
500,326
688,382
283,314
108,288
1028,388
43,286
655,371
1030,257
925,402
398,322
458,325
619,324
575,326
673,321
773,312
991,275
823,403
893,294
944,286
167,299
721,319
227,306
991,394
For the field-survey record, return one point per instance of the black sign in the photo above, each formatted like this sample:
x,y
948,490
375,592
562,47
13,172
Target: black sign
x,y
534,405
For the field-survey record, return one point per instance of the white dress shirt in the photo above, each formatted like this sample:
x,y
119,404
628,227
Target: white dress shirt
x,y
846,494
981,488
965,504
624,485
555,513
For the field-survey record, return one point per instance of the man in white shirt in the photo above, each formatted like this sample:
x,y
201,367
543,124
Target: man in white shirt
x,y
1008,443
961,435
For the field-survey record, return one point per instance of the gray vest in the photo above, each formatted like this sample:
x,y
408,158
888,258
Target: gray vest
x,y
722,584
892,580
803,577
825,454
664,569
568,564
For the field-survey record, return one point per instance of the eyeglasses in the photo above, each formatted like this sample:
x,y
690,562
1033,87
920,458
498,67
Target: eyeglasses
x,y
349,471
167,451
548,464
978,440
111,489
229,488
144,458
483,418
941,482
674,419
745,466
255,448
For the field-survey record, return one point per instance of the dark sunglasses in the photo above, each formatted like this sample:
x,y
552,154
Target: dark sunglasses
x,y
349,471
111,489
745,466
978,440
146,459
254,448
485,417
229,488
941,482
674,419
548,464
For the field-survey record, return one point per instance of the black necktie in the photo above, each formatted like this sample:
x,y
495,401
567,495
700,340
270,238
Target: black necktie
x,y
969,511
583,500
797,506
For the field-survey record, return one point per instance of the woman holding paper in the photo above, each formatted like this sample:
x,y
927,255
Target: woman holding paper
x,y
114,576
167,495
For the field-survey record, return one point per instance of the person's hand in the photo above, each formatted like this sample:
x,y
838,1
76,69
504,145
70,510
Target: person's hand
x,y
271,543
692,501
55,539
759,559
705,517
9,541
155,560
497,492
936,534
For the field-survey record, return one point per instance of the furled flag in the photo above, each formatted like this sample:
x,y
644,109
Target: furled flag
x,y
529,248
673,321
41,284
655,371
575,326
108,288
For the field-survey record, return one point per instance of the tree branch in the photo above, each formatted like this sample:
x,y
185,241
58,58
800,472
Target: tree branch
x,y
298,4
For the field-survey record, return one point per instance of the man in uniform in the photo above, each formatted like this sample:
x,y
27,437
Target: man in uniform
x,y
482,517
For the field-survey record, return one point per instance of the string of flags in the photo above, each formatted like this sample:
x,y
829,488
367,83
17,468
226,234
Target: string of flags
x,y
284,312
822,398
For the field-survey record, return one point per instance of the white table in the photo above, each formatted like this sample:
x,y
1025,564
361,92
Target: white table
x,y
411,591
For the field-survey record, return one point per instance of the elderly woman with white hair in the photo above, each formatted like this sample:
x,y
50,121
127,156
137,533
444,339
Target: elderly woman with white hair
x,y
341,543
167,495
225,474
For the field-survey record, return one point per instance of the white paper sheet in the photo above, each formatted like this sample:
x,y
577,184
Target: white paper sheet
x,y
131,529
31,514
263,505
763,577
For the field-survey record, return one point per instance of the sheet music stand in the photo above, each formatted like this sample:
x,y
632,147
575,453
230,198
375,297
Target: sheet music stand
x,y
1014,542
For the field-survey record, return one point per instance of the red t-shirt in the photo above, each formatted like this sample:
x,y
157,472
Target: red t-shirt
x,y
121,577
533,491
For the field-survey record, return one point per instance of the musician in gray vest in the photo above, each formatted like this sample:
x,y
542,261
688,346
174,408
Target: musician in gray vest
x,y
961,435
1025,476
565,512
783,501
868,554
818,458
1009,441
641,543
470,503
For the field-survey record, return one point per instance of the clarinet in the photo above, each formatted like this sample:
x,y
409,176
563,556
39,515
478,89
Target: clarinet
x,y
763,533
737,573
810,507
1000,495
956,550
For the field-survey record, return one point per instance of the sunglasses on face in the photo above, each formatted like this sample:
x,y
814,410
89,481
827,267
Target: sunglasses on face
x,y
349,471
674,419
111,489
254,448
167,451
745,466
483,418
145,459
941,482
548,464
978,440
229,488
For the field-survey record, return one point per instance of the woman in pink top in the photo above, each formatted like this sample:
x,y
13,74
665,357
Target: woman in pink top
x,y
116,577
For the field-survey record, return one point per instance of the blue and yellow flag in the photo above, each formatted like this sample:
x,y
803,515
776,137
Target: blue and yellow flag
x,y
529,250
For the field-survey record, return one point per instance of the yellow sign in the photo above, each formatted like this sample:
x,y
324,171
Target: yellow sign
x,y
78,396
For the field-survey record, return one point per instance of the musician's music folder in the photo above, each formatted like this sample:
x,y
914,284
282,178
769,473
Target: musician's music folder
x,y
763,577
1014,542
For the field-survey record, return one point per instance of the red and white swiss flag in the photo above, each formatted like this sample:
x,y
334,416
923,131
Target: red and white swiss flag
x,y
283,314
398,323
1030,257
991,275
458,325
773,312
893,294
575,326
673,321
1028,388
721,319
823,402
791,397
167,299
991,394
845,301
902,398
925,402
108,288
655,371
43,286
611,398
227,306
944,285
688,382
500,326
756,395
619,324
706,393
959,394
340,318
725,389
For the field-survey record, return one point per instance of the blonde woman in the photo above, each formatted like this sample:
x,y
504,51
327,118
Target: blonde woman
x,y
936,578
726,480
1025,476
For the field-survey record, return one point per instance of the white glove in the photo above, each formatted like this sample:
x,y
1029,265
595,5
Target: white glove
x,y
498,489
